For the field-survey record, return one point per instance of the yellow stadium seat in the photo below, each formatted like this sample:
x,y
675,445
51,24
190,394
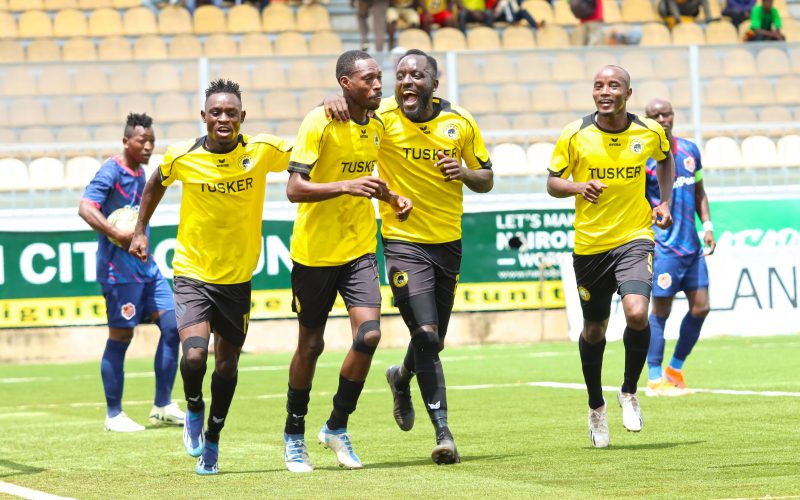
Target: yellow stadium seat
x,y
162,77
305,74
791,30
290,43
60,4
79,49
139,21
11,51
673,64
513,98
540,10
208,19
478,99
596,58
8,26
189,81
149,47
310,99
497,69
648,90
99,110
509,159
269,75
721,92
655,35
738,62
220,45
759,151
533,67
286,128
681,94
552,37
23,5
639,64
538,155
483,38
125,4
611,12
172,107
108,133
55,80
185,47
494,122
126,78
277,17
44,50
788,150
15,175
527,121
722,152
413,37
638,11
134,104
568,67
79,171
255,45
757,91
105,22
517,37
787,90
469,71
281,105
174,20
18,81
688,34
447,39
244,18
252,106
37,135
232,70
710,115
548,97
710,64
772,61
254,127
739,115
93,4
34,24
722,33
70,23
324,43
559,119
63,111
562,15
182,131
114,48
313,17
73,134
775,114
579,97
46,174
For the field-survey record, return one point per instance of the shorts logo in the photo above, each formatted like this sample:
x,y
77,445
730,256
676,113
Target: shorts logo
x,y
636,146
400,279
245,162
297,304
584,293
128,311
650,263
664,281
688,164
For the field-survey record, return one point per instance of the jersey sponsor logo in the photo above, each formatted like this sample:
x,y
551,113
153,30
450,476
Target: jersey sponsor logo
x,y
688,164
683,181
664,281
245,162
615,172
228,187
358,166
428,153
584,294
636,146
128,311
400,279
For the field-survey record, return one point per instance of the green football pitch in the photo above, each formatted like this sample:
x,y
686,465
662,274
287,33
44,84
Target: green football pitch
x,y
518,413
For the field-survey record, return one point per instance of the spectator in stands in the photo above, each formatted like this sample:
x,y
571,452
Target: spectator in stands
x,y
405,11
509,11
135,292
439,12
474,11
672,10
378,8
738,10
765,23
590,30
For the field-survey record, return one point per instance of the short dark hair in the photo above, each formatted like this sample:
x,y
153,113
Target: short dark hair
x,y
137,120
432,64
223,86
345,65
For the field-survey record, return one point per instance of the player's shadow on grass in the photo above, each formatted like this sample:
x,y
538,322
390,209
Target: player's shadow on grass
x,y
17,468
650,446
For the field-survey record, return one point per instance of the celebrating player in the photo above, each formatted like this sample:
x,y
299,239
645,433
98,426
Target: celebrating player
x,y
679,263
605,153
219,241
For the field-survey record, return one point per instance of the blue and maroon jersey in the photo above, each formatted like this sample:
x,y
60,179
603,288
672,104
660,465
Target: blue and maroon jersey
x,y
681,238
115,186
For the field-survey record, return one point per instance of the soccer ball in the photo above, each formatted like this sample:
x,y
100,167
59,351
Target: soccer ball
x,y
123,219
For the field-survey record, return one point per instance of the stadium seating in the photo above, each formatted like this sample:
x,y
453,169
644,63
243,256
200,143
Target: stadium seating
x,y
509,159
722,152
538,157
497,69
105,22
483,38
208,19
518,37
277,17
46,174
174,21
15,175
244,19
789,150
414,38
79,171
447,39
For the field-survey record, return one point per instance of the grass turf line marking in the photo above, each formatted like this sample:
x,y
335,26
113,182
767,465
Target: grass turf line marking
x,y
22,492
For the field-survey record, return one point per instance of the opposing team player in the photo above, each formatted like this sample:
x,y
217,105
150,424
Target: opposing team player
x,y
605,153
333,250
679,263
219,240
135,292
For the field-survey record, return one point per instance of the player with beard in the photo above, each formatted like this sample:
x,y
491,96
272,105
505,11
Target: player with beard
x,y
606,154
333,250
219,241
421,155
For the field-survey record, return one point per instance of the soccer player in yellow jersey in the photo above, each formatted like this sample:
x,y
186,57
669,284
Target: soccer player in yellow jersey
x,y
333,250
421,156
606,153
219,240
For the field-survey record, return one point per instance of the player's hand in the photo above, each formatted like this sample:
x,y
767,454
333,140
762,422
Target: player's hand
x,y
138,247
336,108
367,186
592,190
449,167
710,243
124,239
662,216
402,207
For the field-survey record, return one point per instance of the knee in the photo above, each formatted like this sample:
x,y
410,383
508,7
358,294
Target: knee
x,y
226,368
367,337
637,319
593,332
425,339
700,310
195,357
311,347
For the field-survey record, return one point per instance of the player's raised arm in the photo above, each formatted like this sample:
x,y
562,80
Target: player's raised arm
x,y
151,197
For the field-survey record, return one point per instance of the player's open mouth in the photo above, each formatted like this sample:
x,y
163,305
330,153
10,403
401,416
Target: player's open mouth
x,y
410,98
224,131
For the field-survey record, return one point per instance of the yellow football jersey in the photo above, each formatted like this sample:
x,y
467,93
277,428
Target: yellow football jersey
x,y
617,159
219,234
339,230
406,162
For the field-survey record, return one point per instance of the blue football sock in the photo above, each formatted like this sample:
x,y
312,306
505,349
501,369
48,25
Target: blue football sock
x,y
655,354
690,332
165,364
112,371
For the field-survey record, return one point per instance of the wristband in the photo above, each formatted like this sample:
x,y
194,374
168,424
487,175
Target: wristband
x,y
708,226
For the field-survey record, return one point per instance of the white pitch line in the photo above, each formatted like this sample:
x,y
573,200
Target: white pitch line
x,y
22,492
